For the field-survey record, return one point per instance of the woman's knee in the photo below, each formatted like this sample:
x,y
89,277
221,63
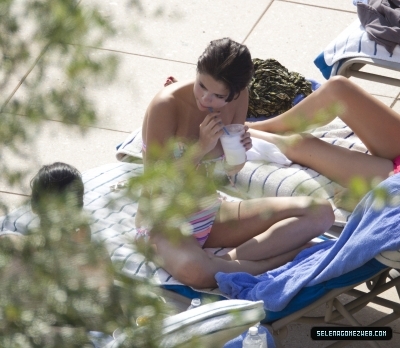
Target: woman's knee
x,y
320,211
297,145
337,87
194,271
185,260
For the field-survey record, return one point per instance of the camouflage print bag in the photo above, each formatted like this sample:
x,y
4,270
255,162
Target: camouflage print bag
x,y
273,88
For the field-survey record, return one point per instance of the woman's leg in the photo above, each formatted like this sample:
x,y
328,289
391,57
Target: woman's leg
x,y
377,125
269,232
264,228
188,263
335,162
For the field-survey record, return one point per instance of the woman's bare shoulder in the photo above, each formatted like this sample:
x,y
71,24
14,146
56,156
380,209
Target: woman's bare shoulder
x,y
162,115
177,92
171,96
169,102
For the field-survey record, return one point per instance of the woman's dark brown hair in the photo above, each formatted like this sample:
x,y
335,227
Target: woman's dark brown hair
x,y
229,62
56,180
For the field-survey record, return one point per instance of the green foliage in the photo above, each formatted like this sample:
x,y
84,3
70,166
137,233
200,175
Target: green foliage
x,y
54,289
56,285
172,190
43,42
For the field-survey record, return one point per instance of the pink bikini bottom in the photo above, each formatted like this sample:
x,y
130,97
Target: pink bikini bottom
x,y
396,165
201,222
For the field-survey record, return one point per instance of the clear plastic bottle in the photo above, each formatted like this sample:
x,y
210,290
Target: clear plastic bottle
x,y
196,302
263,335
252,339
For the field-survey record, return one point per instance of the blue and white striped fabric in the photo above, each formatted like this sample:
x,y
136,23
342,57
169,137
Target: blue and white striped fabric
x,y
352,42
267,179
131,148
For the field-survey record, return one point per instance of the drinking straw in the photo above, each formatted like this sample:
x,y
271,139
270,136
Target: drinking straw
x,y
210,109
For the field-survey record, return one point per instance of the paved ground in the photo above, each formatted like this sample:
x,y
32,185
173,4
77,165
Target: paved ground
x,y
151,47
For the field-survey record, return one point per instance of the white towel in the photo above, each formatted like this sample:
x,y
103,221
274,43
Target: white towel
x,y
131,148
265,151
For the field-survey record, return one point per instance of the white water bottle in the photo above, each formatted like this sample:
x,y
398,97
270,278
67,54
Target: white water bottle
x,y
252,339
196,302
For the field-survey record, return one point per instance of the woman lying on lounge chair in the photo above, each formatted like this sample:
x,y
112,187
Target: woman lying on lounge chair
x,y
377,126
264,233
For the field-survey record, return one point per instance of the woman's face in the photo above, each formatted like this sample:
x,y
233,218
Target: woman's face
x,y
209,93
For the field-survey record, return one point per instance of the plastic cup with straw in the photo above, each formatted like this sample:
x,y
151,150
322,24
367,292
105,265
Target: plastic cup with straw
x,y
227,134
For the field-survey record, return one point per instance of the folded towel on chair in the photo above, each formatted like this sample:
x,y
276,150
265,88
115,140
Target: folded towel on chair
x,y
352,42
372,228
131,148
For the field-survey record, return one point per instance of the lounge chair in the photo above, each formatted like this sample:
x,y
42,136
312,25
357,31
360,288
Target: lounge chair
x,y
270,179
336,310
215,323
351,50
115,225
367,250
212,325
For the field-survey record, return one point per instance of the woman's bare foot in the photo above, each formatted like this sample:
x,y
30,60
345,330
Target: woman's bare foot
x,y
283,142
344,200
170,80
210,254
255,125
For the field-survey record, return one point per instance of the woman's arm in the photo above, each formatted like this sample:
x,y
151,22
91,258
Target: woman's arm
x,y
159,126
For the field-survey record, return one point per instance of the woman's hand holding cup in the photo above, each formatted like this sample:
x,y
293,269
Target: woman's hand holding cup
x,y
246,139
211,130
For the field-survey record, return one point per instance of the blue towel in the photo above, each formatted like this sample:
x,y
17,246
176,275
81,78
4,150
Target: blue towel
x,y
310,294
325,69
372,228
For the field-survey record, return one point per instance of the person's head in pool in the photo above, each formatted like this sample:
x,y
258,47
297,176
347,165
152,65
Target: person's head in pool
x,y
223,70
58,187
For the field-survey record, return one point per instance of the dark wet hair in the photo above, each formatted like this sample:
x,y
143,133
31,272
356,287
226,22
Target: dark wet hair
x,y
229,62
55,181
